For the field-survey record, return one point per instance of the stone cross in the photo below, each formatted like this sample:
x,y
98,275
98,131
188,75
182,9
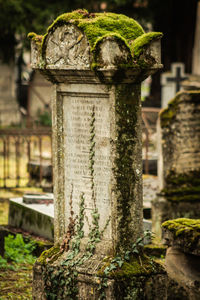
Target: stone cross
x,y
171,82
97,145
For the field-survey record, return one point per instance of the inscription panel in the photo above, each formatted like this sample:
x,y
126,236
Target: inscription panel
x,y
87,156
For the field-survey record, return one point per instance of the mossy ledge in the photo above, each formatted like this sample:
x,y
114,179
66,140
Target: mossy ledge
x,y
184,227
139,265
98,26
49,255
182,187
142,41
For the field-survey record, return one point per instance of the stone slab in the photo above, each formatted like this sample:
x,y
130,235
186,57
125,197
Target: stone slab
x,y
35,218
31,198
79,109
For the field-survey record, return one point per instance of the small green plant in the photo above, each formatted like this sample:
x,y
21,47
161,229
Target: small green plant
x,y
119,260
44,118
17,252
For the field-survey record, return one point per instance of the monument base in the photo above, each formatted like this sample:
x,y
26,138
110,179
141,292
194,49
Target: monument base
x,y
163,210
58,276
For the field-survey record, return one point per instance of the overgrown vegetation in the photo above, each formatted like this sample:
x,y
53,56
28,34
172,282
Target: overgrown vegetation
x,y
16,268
17,252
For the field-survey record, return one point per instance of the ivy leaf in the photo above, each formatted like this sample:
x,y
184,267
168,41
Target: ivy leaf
x,y
135,251
120,263
107,270
112,267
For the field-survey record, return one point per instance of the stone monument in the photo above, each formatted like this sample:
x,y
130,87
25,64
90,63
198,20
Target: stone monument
x,y
179,160
96,63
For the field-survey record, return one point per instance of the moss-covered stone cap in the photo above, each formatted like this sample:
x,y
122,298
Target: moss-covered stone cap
x,y
99,27
168,114
184,233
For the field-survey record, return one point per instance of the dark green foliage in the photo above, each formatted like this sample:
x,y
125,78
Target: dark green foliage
x,y
17,251
44,119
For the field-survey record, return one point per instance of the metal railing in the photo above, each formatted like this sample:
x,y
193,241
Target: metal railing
x,y
18,147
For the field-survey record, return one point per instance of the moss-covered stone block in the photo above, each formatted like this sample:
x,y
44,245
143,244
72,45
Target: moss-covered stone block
x,y
183,233
134,280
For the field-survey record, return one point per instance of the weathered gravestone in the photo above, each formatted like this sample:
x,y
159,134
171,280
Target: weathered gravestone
x,y
179,160
97,63
171,82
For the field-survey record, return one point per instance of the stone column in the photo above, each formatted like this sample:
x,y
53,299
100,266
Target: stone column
x,y
96,130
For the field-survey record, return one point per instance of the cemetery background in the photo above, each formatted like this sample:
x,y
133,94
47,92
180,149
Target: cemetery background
x,y
14,158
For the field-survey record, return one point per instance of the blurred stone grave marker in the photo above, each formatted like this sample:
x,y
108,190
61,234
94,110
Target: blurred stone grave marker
x,y
9,107
171,82
178,160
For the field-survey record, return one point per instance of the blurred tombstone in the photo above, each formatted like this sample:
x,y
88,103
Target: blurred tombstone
x,y
171,82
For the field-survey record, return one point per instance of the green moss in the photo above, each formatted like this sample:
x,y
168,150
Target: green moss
x,y
189,180
49,255
182,187
137,266
98,26
188,228
142,41
155,250
127,103
169,113
35,37
182,198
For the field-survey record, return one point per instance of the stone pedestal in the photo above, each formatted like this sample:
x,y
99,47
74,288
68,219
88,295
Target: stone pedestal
x,y
183,255
179,160
96,65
